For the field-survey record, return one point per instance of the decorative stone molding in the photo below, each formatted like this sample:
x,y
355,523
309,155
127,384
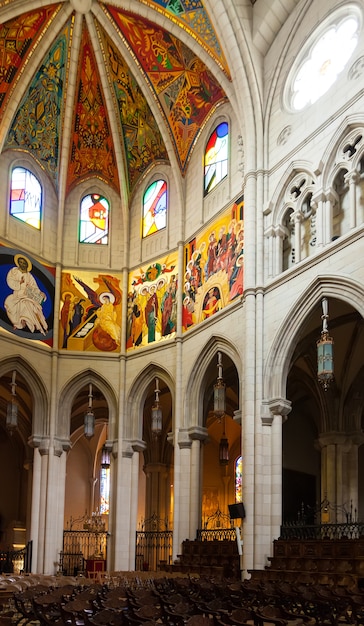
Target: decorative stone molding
x,y
184,439
198,432
61,445
127,449
275,406
138,445
284,135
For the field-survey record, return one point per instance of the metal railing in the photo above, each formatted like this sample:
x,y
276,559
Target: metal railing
x,y
217,527
16,561
345,530
153,544
78,547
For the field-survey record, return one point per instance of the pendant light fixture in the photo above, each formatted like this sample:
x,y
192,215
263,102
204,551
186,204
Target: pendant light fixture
x,y
12,407
219,391
325,350
156,416
89,423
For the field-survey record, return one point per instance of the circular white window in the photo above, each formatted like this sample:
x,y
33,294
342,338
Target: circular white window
x,y
323,58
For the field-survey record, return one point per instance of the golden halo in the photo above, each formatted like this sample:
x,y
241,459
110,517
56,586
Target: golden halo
x,y
66,293
22,256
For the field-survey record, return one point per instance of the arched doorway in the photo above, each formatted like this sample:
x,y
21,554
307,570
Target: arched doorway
x,y
323,433
16,463
87,488
155,505
222,446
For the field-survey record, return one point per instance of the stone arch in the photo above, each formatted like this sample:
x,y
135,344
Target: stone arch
x,y
280,353
133,426
37,390
194,402
282,196
333,158
70,391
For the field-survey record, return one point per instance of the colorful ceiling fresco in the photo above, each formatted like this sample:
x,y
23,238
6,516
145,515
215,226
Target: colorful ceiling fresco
x,y
166,91
37,123
192,16
143,141
186,90
17,41
92,150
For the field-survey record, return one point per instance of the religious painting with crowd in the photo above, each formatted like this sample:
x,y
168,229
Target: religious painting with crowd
x,y
152,302
214,267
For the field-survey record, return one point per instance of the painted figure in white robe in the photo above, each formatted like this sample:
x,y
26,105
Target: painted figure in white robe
x,y
24,305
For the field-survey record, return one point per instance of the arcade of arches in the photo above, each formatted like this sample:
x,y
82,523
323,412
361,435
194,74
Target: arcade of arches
x,y
294,182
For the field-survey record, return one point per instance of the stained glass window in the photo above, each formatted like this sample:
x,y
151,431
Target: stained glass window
x,y
94,219
155,207
104,490
239,479
216,157
26,197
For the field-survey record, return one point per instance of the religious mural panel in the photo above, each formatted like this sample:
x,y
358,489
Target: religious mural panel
x,y
90,311
214,267
26,296
152,302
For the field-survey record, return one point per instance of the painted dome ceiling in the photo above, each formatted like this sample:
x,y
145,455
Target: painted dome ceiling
x,y
106,89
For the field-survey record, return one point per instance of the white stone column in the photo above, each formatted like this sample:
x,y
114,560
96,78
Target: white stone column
x,y
328,217
317,204
352,178
55,508
184,444
280,235
138,448
34,515
298,217
197,435
124,529
44,453
279,407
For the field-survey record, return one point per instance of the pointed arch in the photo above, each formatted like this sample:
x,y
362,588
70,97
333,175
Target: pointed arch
x,y
280,354
69,393
193,404
133,427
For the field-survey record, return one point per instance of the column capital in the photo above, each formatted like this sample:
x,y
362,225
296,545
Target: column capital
x,y
198,432
275,406
138,445
184,440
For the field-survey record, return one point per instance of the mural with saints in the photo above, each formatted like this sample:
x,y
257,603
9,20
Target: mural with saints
x,y
152,302
214,267
90,311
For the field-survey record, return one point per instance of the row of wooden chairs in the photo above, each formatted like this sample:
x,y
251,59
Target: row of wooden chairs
x,y
189,602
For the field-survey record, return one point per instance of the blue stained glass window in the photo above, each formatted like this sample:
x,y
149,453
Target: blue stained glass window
x,y
94,219
26,197
216,157
104,490
155,208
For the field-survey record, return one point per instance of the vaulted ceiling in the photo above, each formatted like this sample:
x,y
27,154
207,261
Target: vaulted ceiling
x,y
106,90
102,89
